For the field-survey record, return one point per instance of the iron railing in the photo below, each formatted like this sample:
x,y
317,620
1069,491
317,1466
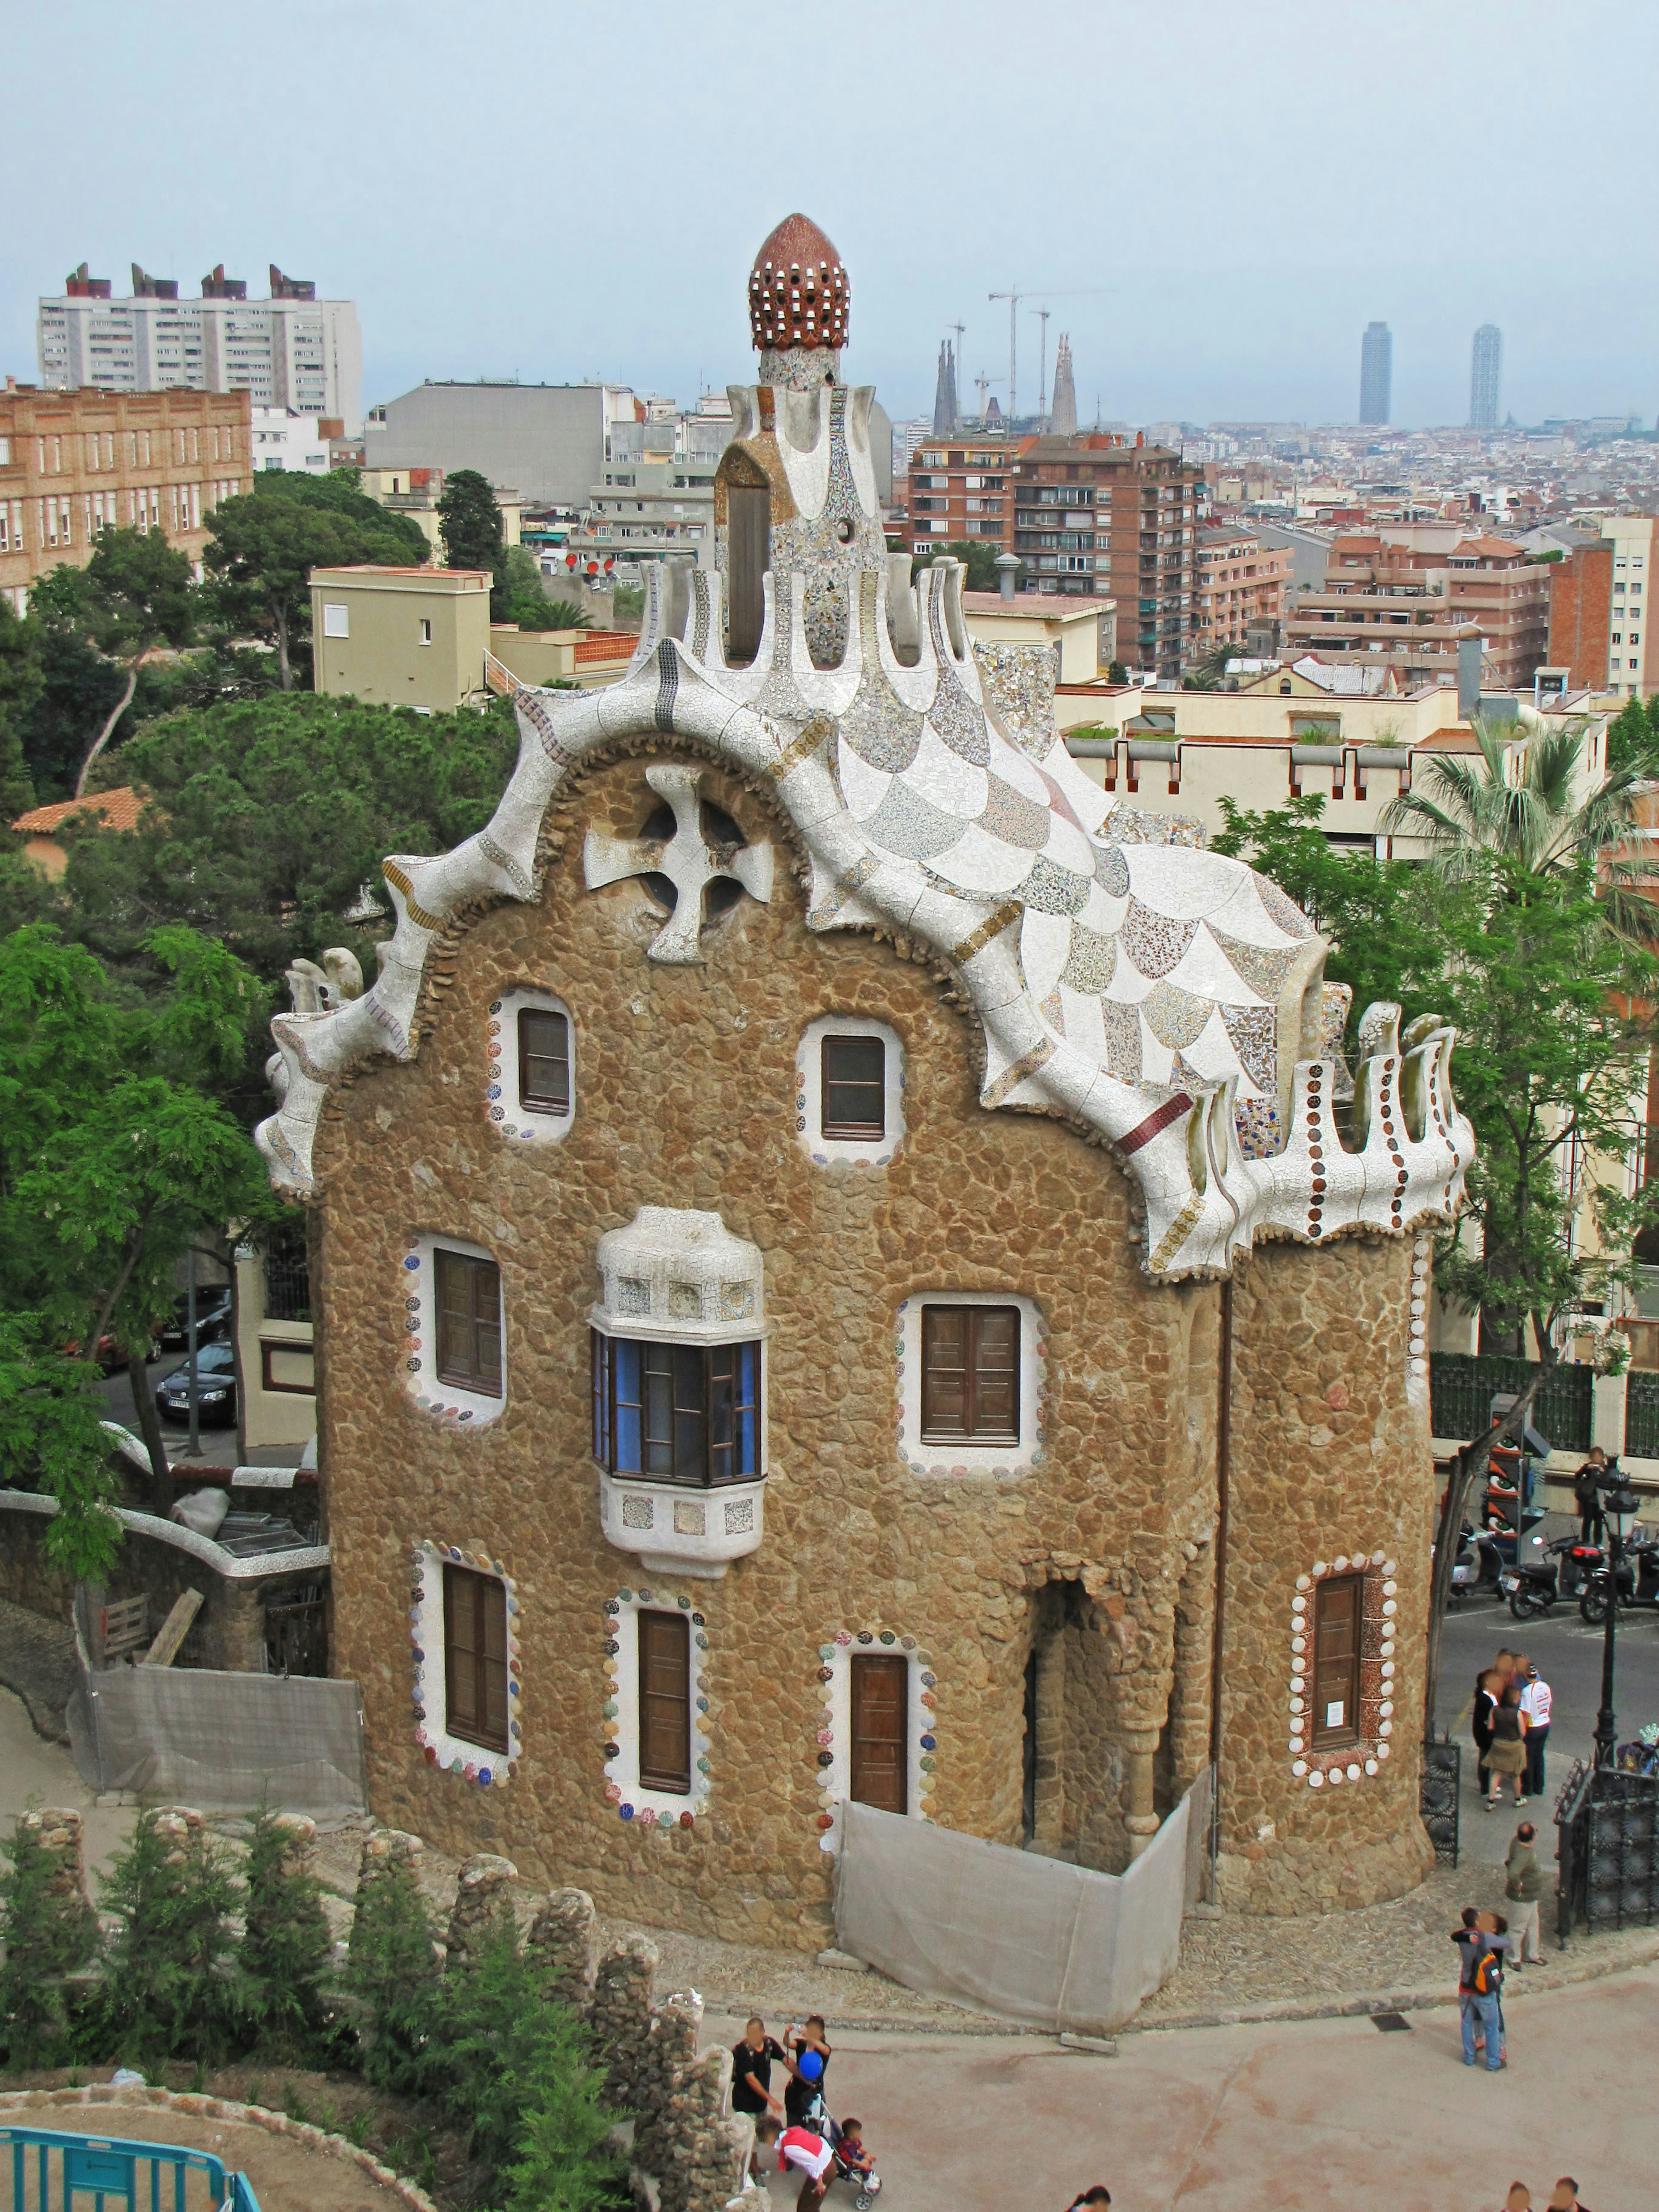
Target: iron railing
x,y
1437,1795
288,1279
1462,1388
1608,1849
71,2166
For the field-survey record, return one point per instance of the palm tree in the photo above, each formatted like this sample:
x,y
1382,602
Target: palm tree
x,y
1518,798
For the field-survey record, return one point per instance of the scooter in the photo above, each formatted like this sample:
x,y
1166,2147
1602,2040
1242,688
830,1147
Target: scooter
x,y
1639,1584
1477,1566
1531,1586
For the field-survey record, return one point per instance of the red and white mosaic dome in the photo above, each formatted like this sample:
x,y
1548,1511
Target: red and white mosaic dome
x,y
797,289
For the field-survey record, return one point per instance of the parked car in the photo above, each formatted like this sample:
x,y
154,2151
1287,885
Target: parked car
x,y
215,1396
212,1318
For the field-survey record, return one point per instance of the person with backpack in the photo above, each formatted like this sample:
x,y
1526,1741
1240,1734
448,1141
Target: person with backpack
x,y
1477,1985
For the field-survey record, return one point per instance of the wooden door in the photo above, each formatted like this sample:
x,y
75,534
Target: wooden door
x,y
1336,1662
881,1727
665,1702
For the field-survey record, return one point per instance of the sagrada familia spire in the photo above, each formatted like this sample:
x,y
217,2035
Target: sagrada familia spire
x,y
945,393
1063,419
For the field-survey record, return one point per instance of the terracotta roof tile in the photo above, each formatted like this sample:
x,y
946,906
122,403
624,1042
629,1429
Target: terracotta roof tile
x,y
120,810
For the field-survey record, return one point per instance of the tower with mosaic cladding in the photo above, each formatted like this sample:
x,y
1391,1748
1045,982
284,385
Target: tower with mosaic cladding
x,y
1116,1083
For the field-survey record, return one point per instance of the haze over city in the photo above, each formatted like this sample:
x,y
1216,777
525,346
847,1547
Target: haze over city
x,y
511,191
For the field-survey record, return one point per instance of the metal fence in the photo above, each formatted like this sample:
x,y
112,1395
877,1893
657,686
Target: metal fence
x,y
287,1279
1462,1388
1608,1849
47,2167
1642,1414
1436,1795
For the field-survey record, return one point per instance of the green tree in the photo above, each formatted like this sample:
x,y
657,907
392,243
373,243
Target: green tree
x,y
978,555
520,595
286,1945
52,1439
21,681
134,593
1633,737
47,1931
469,522
263,550
392,1974
173,1986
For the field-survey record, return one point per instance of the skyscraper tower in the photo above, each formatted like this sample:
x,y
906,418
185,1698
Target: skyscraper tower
x,y
945,393
1062,421
1485,375
1376,373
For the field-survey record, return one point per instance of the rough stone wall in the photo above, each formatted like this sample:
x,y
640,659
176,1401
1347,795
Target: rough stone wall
x,y
685,1088
1329,1459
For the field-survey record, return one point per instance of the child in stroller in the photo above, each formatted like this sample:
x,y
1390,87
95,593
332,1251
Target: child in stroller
x,y
825,2152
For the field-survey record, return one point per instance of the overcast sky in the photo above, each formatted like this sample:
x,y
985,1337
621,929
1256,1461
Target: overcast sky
x,y
1232,188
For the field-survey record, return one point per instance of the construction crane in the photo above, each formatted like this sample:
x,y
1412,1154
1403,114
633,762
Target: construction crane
x,y
1013,298
1042,315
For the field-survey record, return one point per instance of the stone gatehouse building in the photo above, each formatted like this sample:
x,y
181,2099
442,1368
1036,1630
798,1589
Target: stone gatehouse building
x,y
849,1265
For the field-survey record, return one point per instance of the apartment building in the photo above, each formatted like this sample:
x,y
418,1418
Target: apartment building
x,y
1241,581
291,350
416,492
1598,627
281,439
73,463
1401,597
552,440
960,488
1095,516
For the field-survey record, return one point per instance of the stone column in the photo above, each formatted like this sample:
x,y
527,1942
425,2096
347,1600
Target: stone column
x,y
1140,1820
619,2016
483,1909
562,1936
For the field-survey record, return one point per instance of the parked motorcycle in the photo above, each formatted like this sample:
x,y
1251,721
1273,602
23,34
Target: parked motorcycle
x,y
1531,1586
1477,1564
1639,1584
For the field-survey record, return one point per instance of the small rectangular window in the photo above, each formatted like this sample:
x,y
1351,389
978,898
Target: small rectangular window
x,y
426,630
855,1087
881,1727
543,1061
469,1322
970,1374
337,620
475,1657
665,1656
1336,1662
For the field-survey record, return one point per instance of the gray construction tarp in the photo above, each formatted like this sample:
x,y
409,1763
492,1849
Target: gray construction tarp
x,y
224,1741
1009,1932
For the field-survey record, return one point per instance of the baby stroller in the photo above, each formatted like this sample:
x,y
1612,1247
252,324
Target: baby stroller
x,y
816,2117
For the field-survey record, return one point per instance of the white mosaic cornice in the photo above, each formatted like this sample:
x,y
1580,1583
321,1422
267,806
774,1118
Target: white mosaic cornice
x,y
1163,997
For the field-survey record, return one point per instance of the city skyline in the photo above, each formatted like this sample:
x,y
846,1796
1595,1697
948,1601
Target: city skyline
x,y
1161,326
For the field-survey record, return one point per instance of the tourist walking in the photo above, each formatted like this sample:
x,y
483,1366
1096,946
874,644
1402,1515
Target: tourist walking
x,y
1537,1700
1523,1886
1488,1690
1587,1496
1507,1753
1565,2197
752,2062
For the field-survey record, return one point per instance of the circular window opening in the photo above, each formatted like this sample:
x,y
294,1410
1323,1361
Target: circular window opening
x,y
844,530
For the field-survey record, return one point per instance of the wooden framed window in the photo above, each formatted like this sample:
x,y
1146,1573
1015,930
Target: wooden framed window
x,y
1336,1662
970,1374
881,1728
689,1413
853,1097
665,1702
469,1293
543,1061
749,555
475,1658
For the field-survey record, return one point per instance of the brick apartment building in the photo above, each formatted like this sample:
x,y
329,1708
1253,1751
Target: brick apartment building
x,y
1402,604
1239,581
1599,630
1095,516
959,488
72,463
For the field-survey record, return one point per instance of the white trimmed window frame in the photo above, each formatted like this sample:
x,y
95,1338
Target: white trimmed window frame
x,y
419,1361
1017,1457
454,1754
859,1151
1378,1612
834,1734
621,1706
507,1116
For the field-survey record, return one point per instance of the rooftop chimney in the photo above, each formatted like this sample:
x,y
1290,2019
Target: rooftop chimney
x,y
1007,568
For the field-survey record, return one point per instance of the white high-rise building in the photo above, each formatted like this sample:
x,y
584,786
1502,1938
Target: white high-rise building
x,y
292,350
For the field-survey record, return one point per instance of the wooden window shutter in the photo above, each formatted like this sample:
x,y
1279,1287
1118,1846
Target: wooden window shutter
x,y
665,1702
749,555
1336,1662
469,1301
970,1374
475,1658
881,1727
543,1061
852,1101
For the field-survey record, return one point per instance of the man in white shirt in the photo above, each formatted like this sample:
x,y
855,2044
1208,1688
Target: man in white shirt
x,y
1535,1703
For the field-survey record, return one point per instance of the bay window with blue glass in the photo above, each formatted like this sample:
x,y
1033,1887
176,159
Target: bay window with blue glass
x,y
677,1413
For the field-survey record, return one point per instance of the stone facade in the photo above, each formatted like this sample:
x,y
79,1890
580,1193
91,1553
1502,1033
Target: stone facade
x,y
696,868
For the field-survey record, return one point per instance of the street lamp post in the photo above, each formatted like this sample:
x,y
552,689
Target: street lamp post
x,y
1620,1505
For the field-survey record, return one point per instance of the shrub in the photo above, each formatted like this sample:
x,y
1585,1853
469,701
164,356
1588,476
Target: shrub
x,y
173,1986
48,1930
285,1944
392,1974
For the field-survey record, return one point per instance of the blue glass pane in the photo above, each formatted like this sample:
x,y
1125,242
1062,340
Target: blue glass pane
x,y
748,1409
627,1356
